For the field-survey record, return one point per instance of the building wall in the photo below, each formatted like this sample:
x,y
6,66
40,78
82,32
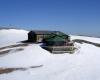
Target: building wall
x,y
39,38
32,37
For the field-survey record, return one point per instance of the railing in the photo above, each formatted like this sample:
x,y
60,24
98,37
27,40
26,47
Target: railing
x,y
60,49
59,46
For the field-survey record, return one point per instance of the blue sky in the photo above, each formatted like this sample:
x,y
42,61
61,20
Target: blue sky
x,y
72,16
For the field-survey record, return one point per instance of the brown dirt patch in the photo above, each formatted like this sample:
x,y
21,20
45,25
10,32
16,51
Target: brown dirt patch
x,y
9,70
13,50
4,52
35,66
13,46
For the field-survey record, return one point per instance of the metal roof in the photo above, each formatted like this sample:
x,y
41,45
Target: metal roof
x,y
57,37
43,32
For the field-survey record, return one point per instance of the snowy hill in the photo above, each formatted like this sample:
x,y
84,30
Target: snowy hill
x,y
10,36
20,61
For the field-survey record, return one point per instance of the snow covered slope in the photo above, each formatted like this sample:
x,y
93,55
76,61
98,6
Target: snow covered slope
x,y
84,64
92,39
8,36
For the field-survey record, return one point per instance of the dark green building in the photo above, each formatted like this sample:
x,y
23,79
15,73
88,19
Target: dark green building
x,y
39,35
58,43
58,39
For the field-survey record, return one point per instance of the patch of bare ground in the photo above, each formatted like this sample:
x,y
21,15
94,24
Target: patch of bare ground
x,y
9,70
19,49
85,41
4,52
14,46
35,66
13,50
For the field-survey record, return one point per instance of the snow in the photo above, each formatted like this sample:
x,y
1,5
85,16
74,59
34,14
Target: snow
x,y
92,39
84,64
12,36
30,56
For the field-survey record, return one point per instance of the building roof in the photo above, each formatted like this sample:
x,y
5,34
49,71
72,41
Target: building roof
x,y
57,37
40,32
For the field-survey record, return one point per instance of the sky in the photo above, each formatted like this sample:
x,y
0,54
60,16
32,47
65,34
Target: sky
x,y
70,16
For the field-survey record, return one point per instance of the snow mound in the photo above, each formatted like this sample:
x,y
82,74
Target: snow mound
x,y
11,36
84,64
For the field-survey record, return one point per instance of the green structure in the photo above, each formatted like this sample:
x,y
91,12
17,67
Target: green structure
x,y
56,40
58,43
38,35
